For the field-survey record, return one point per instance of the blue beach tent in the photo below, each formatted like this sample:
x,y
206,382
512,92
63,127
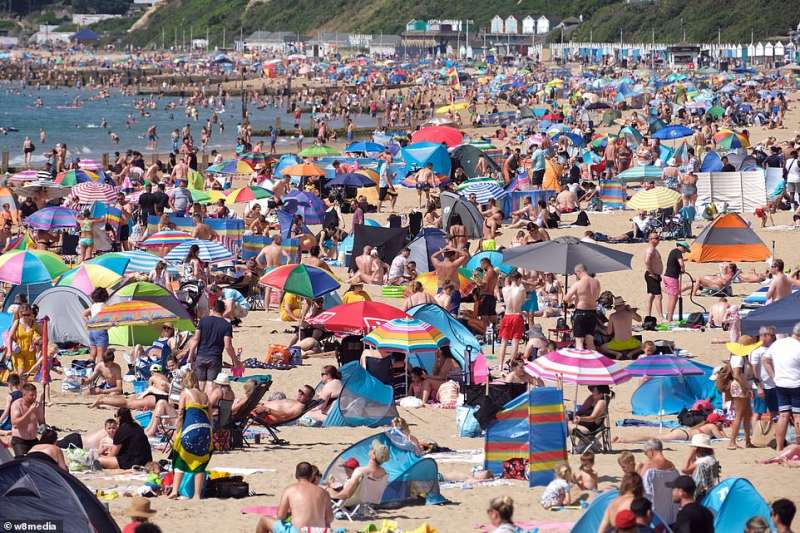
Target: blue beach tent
x,y
590,520
674,393
364,401
735,501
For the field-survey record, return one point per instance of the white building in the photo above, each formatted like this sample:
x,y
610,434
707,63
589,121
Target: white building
x,y
511,25
48,35
87,19
529,25
147,2
275,41
542,25
8,42
496,24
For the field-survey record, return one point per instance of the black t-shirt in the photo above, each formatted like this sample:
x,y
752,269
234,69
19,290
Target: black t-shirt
x,y
774,161
728,168
146,203
135,448
673,268
694,518
160,201
27,209
213,330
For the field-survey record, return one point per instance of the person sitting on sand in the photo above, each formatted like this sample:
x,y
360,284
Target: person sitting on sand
x,y
279,411
369,481
48,449
517,374
364,265
130,446
101,440
157,389
630,489
308,505
111,374
586,476
711,427
623,344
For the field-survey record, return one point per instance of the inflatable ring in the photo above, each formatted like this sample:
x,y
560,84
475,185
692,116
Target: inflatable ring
x,y
392,291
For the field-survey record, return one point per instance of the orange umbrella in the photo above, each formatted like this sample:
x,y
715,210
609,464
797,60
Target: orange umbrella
x,y
303,169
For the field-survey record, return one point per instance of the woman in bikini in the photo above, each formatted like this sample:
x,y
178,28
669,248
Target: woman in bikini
x,y
86,241
711,427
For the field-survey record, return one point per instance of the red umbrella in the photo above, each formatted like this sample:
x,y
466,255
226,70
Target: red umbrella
x,y
358,318
552,117
438,134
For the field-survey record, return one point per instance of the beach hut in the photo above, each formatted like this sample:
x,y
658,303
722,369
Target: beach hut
x,y
411,478
364,400
531,427
728,238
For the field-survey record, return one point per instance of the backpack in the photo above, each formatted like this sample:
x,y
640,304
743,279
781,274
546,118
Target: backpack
x,y
724,377
582,220
649,323
691,418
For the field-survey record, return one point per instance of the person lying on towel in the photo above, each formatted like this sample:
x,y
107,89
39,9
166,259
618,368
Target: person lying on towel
x,y
279,411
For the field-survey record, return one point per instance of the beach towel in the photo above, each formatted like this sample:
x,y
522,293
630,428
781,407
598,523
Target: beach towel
x,y
192,445
637,422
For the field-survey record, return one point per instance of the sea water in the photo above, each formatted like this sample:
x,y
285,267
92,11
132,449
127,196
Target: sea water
x,y
79,127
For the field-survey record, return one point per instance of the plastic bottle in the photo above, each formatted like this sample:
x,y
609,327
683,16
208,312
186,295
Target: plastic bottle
x,y
490,334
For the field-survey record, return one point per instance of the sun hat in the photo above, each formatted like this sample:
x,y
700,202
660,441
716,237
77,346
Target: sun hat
x,y
683,244
701,440
351,463
140,508
619,301
536,332
744,346
222,379
625,519
381,451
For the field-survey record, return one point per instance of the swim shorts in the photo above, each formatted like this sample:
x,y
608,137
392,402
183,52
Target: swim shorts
x,y
488,305
624,346
512,326
670,285
98,337
653,284
584,322
789,400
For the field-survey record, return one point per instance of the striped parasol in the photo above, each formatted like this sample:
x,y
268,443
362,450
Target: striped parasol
x,y
582,367
51,218
247,194
89,192
483,191
653,199
18,267
255,158
131,313
662,365
87,277
137,261
29,175
167,237
20,242
640,173
406,335
90,164
730,140
210,251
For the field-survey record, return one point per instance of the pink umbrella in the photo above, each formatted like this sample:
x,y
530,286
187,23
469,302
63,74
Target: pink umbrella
x,y
90,164
90,191
582,367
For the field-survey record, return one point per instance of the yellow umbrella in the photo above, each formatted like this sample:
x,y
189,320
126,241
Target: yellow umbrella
x,y
455,106
554,83
655,198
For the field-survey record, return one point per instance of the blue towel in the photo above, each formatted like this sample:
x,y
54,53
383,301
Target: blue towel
x,y
637,422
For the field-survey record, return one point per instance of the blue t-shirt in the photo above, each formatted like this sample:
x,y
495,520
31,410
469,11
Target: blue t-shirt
x,y
213,330
236,297
538,159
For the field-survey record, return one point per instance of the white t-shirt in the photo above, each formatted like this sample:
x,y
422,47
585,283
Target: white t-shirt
x,y
398,267
785,357
756,359
96,308
792,167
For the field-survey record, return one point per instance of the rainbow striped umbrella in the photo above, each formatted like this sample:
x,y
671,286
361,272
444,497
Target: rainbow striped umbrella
x,y
730,140
430,283
166,237
19,267
89,192
231,166
131,313
662,365
21,242
51,218
582,367
247,194
210,251
87,277
69,178
302,280
255,158
406,335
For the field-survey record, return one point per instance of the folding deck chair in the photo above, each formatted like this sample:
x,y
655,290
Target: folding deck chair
x,y
273,428
239,421
598,441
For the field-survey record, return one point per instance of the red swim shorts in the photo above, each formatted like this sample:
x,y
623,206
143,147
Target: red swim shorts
x,y
512,327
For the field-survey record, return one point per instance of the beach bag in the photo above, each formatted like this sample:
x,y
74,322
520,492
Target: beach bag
x,y
724,377
762,432
227,487
516,468
78,459
695,320
691,418
582,220
448,394
649,323
466,422
277,354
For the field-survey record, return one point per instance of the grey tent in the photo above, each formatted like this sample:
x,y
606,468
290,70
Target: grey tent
x,y
425,244
35,488
466,156
783,315
64,306
30,290
388,241
453,204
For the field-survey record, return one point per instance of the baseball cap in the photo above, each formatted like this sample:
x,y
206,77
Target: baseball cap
x,y
685,483
351,463
683,244
714,418
625,519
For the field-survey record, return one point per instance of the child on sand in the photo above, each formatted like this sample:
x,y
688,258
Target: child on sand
x,y
53,365
586,477
556,494
627,462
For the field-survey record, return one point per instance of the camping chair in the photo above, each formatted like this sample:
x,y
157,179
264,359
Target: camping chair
x,y
220,437
358,506
725,292
598,441
273,429
239,421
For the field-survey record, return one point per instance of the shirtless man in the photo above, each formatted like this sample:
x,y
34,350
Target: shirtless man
x,y
493,216
524,214
314,260
623,344
488,286
202,230
364,264
715,281
653,269
584,293
279,411
111,374
512,326
446,263
180,171
305,501
567,201
281,188
781,285
270,257
426,180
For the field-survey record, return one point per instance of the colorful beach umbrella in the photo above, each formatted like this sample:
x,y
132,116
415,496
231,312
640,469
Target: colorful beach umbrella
x,y
51,218
247,194
303,170
135,261
130,313
351,179
318,150
69,178
495,259
87,277
255,158
358,318
730,140
430,282
231,166
662,365
640,173
406,335
438,134
653,199
89,192
364,147
210,251
306,204
302,280
165,238
582,367
483,191
19,267
20,242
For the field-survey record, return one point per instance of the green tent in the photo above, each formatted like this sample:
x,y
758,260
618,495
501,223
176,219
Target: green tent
x,y
148,292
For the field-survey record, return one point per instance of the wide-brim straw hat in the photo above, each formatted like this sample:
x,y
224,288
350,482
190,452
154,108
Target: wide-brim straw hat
x,y
744,346
140,508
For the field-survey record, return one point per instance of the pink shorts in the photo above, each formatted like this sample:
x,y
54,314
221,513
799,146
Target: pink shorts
x,y
671,286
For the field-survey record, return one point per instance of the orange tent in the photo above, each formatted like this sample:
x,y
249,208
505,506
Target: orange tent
x,y
728,238
552,176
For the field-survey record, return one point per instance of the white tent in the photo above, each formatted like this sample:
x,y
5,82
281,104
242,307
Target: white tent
x,y
743,192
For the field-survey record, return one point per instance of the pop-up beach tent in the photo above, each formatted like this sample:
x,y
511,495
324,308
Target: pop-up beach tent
x,y
471,217
411,478
727,238
426,243
735,501
783,315
589,522
64,306
466,157
36,489
364,400
531,427
674,393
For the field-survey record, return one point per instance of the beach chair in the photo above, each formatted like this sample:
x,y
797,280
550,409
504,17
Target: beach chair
x,y
724,292
240,420
598,441
273,429
361,504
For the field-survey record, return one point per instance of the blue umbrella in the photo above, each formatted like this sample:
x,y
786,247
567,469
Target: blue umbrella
x,y
351,179
483,191
673,131
364,147
136,261
495,258
306,204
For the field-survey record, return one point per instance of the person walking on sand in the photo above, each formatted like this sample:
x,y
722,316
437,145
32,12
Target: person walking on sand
x,y
654,268
512,326
584,293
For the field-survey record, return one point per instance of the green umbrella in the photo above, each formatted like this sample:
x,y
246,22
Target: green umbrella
x,y
318,150
716,112
148,292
